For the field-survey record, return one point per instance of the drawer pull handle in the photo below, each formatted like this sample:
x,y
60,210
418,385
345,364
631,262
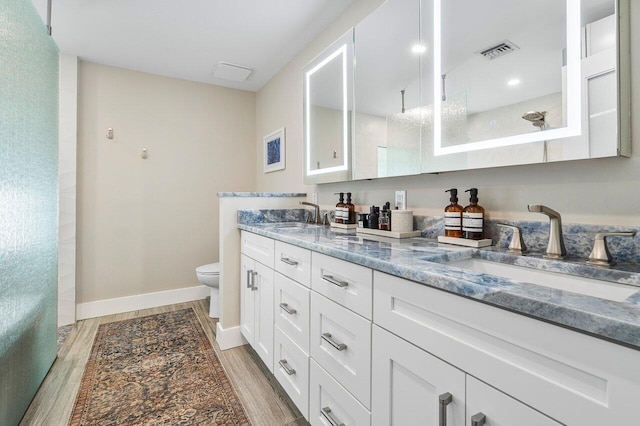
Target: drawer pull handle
x,y
254,274
327,338
444,400
478,419
285,307
288,261
285,367
249,275
326,412
334,281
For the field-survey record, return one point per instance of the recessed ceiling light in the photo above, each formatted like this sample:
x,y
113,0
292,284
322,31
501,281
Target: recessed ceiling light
x,y
418,48
513,82
231,72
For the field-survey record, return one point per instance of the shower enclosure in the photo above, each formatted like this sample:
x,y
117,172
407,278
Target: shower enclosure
x,y
28,205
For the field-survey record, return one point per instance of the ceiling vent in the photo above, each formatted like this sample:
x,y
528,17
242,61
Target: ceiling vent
x,y
232,72
499,49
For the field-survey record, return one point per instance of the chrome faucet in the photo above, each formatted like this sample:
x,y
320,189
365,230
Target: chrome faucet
x,y
316,216
555,248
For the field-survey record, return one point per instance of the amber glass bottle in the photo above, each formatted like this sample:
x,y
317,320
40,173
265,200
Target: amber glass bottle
x,y
473,218
351,210
339,206
453,216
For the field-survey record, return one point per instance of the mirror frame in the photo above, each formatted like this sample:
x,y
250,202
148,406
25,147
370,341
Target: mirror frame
x,y
343,47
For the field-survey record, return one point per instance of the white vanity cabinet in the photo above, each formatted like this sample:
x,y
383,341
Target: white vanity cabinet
x,y
256,294
412,387
497,409
357,347
290,319
256,315
517,367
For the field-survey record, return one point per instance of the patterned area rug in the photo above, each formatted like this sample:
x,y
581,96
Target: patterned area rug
x,y
155,370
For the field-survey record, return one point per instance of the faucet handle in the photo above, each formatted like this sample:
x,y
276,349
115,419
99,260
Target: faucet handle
x,y
600,255
517,244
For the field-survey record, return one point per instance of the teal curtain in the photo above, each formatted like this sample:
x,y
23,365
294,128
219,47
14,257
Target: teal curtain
x,y
28,205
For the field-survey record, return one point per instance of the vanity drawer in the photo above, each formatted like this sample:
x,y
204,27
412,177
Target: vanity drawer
x,y
328,399
293,262
345,283
292,310
341,343
257,247
292,370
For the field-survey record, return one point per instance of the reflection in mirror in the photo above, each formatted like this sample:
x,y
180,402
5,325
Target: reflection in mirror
x,y
389,48
327,111
504,78
539,83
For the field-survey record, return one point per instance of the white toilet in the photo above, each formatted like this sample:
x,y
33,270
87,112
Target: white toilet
x,y
209,275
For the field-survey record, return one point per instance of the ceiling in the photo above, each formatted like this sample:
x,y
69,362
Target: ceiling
x,y
186,39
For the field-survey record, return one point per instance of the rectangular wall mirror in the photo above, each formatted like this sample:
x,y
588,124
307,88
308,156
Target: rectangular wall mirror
x,y
386,129
327,110
530,85
463,84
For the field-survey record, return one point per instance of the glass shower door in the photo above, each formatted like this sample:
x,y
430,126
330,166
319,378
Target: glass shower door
x,y
28,205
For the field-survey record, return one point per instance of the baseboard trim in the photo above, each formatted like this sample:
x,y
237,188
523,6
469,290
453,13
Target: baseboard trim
x,y
228,338
119,305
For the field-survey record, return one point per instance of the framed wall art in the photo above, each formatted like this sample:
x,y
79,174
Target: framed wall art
x,y
274,151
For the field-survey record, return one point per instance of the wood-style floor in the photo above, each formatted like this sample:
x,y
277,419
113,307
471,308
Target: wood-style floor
x,y
264,400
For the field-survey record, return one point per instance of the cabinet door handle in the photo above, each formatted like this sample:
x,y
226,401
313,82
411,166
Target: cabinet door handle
x,y
249,275
285,307
285,367
334,281
444,400
327,338
326,412
478,419
254,274
288,261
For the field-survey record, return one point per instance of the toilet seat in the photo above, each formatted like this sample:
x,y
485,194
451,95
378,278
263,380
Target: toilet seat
x,y
210,269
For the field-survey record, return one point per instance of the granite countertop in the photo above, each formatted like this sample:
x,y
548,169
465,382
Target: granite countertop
x,y
421,260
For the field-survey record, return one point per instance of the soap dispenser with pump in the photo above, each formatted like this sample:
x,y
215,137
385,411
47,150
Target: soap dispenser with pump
x,y
453,216
473,218
349,209
338,218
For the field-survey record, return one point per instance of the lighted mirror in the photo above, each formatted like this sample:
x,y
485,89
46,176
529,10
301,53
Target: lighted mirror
x,y
327,111
387,113
483,84
528,85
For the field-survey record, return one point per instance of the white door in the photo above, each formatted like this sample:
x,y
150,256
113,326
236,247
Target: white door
x,y
412,387
263,291
495,408
247,304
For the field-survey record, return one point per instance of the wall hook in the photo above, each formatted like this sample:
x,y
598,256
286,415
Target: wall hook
x,y
109,133
144,154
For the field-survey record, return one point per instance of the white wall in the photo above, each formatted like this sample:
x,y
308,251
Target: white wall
x,y
602,191
68,129
145,225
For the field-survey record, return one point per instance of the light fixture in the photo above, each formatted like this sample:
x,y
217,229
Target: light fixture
x,y
418,48
513,82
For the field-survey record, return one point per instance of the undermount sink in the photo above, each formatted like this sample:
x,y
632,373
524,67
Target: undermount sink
x,y
586,286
